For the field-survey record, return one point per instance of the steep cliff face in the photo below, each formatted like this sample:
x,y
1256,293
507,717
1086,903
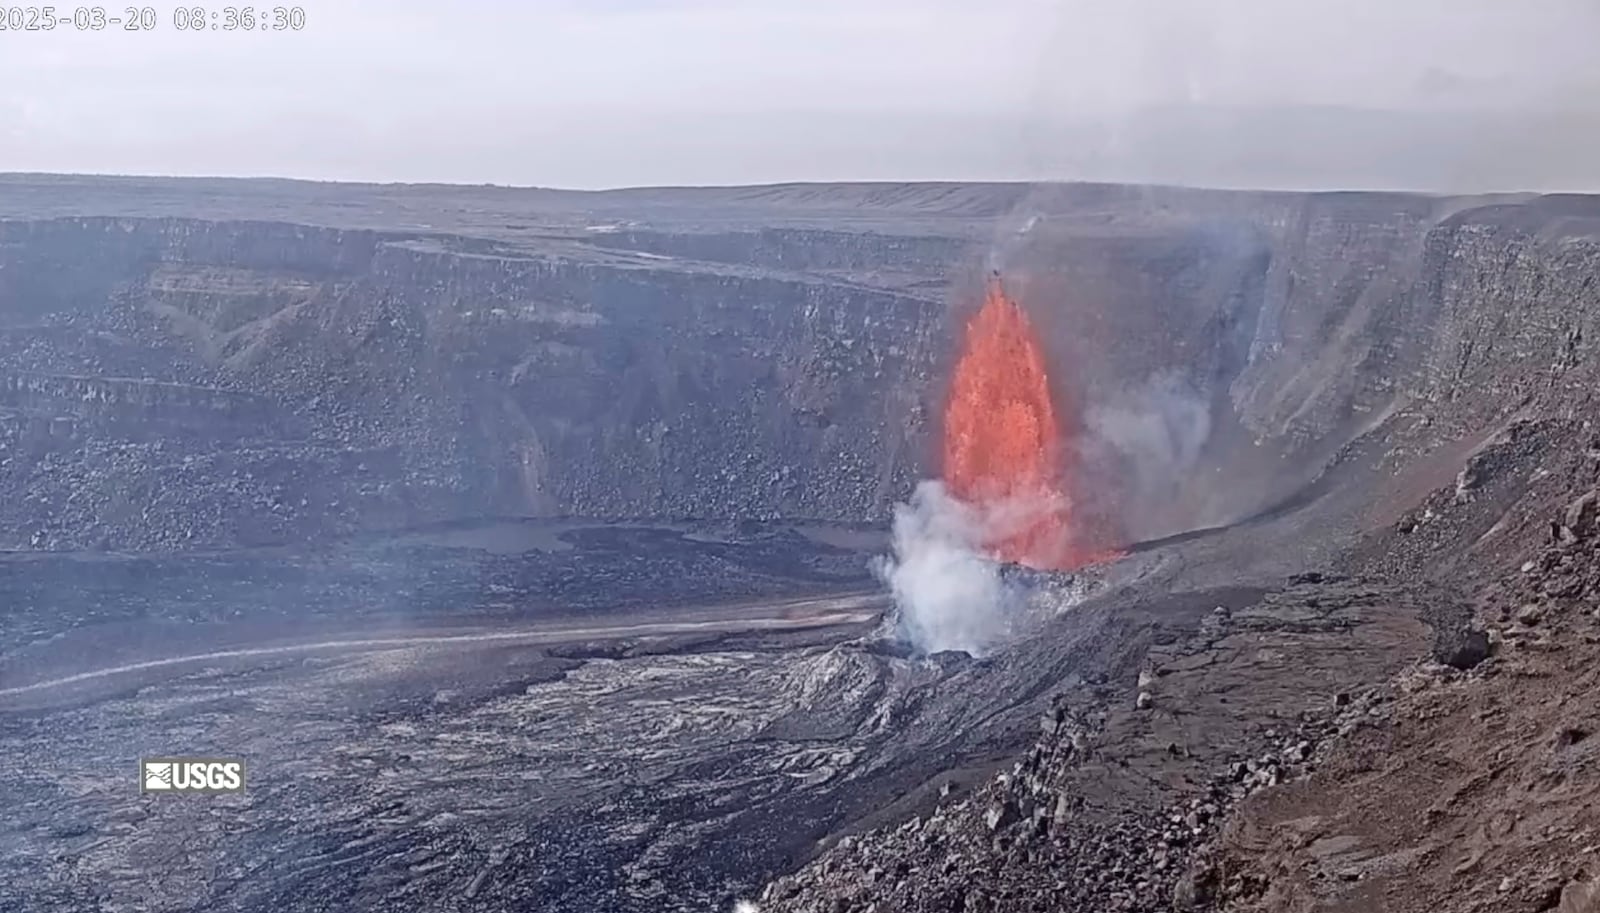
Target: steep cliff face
x,y
1515,296
171,382
1441,302
275,380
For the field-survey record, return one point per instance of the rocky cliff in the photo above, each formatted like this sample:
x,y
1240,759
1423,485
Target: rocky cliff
x,y
171,382
760,353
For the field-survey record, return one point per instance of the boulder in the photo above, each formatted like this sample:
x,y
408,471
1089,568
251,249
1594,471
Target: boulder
x,y
1581,897
1583,515
1001,816
1462,648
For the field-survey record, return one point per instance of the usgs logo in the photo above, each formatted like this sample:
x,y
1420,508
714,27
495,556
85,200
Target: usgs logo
x,y
191,775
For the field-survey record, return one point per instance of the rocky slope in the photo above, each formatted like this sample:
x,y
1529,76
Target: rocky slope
x,y
1315,750
1404,725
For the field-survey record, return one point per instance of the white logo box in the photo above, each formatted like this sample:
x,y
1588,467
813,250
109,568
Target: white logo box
x,y
191,775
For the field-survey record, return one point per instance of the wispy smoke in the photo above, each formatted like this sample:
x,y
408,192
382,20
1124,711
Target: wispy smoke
x,y
948,594
1154,433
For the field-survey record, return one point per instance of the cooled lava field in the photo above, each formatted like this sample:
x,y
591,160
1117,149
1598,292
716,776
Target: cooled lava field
x,y
564,551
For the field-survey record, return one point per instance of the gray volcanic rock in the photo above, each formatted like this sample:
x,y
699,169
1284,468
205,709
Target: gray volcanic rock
x,y
1462,649
1110,811
319,382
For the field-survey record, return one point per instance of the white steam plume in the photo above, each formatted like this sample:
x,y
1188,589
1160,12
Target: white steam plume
x,y
948,594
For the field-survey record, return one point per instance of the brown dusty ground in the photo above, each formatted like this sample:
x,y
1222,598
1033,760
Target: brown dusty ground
x,y
1478,790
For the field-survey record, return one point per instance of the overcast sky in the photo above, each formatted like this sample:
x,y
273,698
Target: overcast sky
x,y
595,93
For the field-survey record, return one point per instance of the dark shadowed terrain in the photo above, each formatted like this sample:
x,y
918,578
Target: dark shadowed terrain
x,y
520,541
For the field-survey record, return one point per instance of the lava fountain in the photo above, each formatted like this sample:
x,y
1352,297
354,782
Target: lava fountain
x,y
1005,450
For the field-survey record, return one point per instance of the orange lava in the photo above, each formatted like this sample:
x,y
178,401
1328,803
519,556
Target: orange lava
x,y
1004,439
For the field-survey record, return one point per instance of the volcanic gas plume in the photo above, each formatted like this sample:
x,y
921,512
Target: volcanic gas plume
x,y
1004,439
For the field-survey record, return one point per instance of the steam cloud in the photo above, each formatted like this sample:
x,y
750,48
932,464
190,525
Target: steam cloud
x,y
1159,427
948,594
1154,433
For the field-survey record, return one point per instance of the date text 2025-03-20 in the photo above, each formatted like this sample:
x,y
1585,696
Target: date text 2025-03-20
x,y
149,19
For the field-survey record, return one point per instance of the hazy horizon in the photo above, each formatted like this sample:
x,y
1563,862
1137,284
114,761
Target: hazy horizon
x,y
1416,95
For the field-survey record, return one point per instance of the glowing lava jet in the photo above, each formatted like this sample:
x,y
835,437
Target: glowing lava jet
x,y
1004,450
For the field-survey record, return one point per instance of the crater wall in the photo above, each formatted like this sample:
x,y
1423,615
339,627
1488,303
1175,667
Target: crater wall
x,y
334,362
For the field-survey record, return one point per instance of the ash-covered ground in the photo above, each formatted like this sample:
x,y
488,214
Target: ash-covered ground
x,y
579,714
